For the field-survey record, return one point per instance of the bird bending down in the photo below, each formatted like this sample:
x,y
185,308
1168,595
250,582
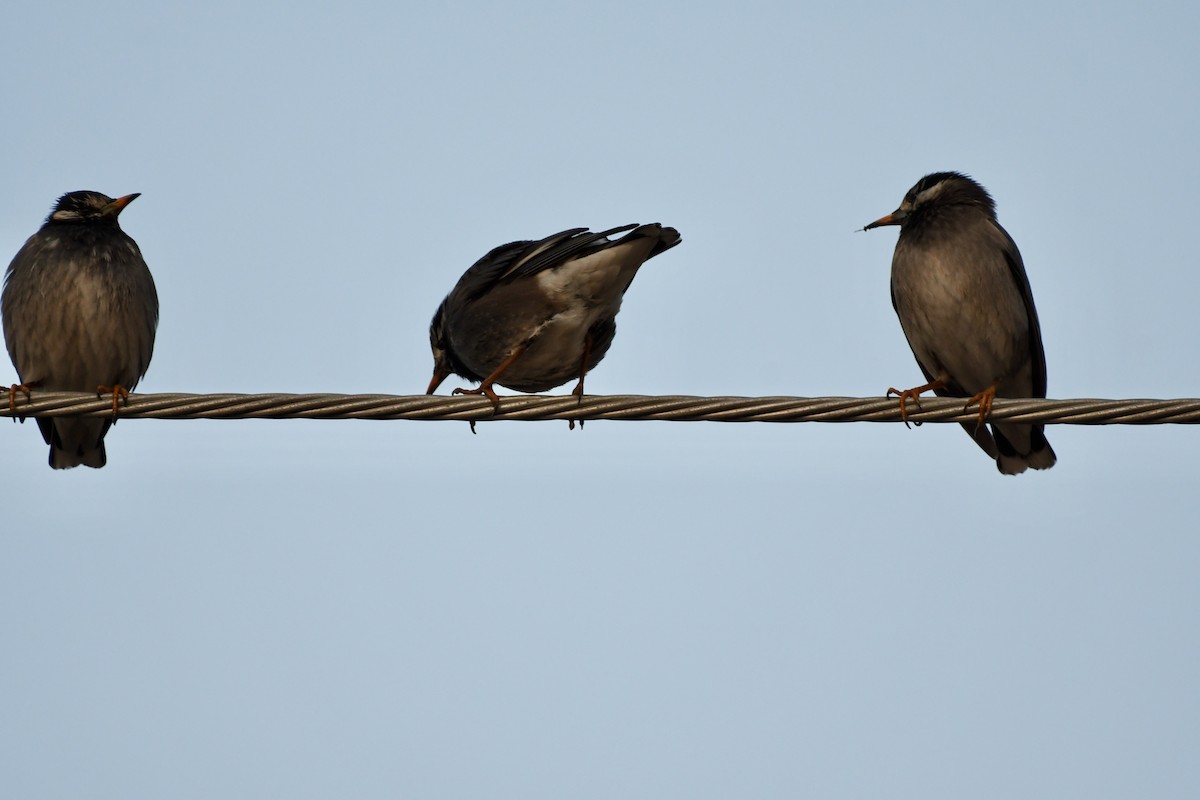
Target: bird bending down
x,y
80,312
532,315
960,290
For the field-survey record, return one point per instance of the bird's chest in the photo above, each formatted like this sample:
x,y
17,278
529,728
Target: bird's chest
x,y
964,321
83,324
932,296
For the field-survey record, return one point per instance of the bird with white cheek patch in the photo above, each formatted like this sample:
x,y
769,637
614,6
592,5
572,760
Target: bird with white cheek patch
x,y
80,312
960,290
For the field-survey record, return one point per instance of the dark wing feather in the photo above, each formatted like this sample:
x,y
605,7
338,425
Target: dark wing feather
x,y
500,261
561,248
1037,353
522,259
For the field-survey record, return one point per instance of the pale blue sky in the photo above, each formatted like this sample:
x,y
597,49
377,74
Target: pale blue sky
x,y
370,609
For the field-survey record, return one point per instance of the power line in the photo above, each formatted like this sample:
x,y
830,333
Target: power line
x,y
602,407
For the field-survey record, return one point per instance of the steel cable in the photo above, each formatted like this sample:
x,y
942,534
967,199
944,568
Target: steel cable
x,y
603,407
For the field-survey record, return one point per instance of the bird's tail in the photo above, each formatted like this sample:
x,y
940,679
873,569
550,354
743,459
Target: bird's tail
x,y
1021,447
667,237
75,441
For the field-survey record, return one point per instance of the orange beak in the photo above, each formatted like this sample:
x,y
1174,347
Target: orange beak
x,y
439,375
894,218
118,205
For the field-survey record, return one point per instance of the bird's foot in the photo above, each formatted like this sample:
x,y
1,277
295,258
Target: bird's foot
x,y
984,399
915,395
484,389
119,394
23,388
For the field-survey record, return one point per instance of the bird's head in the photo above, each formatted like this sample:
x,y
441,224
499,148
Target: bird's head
x,y
89,207
937,190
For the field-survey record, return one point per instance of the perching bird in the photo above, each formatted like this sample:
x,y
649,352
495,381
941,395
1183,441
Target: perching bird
x,y
533,315
80,311
960,290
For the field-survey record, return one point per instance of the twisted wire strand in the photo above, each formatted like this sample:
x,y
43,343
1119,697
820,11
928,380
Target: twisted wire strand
x,y
677,408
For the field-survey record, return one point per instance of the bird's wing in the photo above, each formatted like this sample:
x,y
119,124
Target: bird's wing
x,y
1037,353
560,248
500,261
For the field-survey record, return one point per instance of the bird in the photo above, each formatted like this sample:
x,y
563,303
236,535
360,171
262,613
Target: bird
x,y
960,290
532,315
80,312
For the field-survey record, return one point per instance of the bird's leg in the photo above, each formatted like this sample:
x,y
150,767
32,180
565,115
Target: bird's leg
x,y
915,394
984,399
23,388
485,386
583,366
119,394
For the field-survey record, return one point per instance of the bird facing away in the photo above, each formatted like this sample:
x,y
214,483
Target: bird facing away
x,y
80,311
960,290
533,315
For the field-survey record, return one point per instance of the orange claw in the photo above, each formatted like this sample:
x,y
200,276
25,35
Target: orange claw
x,y
915,394
484,389
984,399
119,393
12,397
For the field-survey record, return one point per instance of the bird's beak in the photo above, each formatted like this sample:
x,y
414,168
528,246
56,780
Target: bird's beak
x,y
439,375
894,218
116,206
